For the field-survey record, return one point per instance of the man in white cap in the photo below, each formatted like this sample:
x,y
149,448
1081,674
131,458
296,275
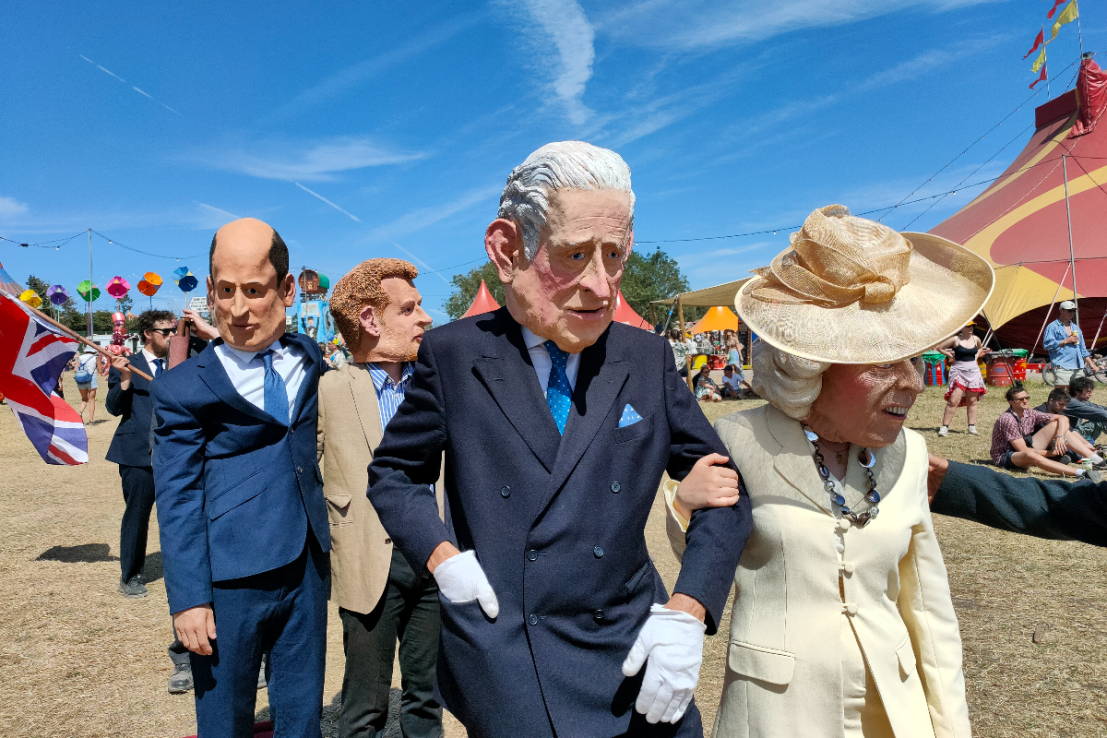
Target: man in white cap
x,y
1065,344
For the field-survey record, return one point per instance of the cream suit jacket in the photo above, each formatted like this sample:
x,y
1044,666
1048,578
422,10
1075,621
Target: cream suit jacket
x,y
349,430
783,672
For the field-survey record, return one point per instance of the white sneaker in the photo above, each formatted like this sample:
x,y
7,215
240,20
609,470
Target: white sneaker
x,y
943,431
972,431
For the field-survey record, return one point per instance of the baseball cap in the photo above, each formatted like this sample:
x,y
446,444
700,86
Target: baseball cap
x,y
1068,305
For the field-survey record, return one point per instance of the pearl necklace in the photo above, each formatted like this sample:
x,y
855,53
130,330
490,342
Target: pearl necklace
x,y
868,461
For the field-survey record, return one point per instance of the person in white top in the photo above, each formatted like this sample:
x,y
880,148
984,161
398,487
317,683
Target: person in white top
x,y
843,623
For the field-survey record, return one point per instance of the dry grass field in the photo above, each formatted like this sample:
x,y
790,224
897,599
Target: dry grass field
x,y
77,659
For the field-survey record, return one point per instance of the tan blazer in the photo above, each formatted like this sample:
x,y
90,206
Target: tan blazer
x,y
349,431
783,667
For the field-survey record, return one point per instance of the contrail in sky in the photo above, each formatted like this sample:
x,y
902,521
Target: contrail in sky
x,y
316,194
105,70
425,264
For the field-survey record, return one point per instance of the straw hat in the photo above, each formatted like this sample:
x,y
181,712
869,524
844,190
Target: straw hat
x,y
854,291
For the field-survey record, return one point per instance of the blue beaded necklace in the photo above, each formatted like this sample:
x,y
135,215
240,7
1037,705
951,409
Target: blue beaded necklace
x,y
868,461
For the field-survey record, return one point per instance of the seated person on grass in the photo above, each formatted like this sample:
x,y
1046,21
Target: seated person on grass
x,y
705,387
1055,403
1023,438
733,382
1087,418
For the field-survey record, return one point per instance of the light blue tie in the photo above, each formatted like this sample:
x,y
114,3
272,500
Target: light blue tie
x,y
276,396
558,392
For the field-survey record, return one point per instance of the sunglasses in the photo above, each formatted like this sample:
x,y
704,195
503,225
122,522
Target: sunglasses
x,y
164,331
1020,399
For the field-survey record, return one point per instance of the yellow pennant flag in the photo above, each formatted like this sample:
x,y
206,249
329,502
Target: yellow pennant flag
x,y
1068,15
1037,66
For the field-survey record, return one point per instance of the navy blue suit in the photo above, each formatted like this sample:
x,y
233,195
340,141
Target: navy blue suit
x,y
244,526
557,522
130,448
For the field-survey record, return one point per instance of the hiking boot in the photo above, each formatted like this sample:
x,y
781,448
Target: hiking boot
x,y
180,681
133,588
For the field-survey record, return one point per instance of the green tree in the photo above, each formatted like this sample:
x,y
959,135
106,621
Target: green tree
x,y
652,277
466,286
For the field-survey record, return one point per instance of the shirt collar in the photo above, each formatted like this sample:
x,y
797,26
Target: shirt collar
x,y
146,354
381,378
531,340
245,357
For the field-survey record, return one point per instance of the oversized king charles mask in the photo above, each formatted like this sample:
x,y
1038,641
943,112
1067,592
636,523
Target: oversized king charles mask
x,y
564,231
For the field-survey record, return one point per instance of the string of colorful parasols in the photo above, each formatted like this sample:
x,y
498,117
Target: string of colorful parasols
x,y
117,287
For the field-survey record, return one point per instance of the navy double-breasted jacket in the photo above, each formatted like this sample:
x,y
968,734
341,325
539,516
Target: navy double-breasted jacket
x,y
557,522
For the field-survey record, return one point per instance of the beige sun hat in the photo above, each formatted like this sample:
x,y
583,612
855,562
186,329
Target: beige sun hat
x,y
854,291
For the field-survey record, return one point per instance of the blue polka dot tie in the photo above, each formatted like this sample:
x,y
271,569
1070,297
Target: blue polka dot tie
x,y
276,395
558,393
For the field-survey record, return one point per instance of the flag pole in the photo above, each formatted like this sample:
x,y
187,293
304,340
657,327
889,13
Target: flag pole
x,y
1072,256
91,344
90,284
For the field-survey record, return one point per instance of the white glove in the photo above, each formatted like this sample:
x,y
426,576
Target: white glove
x,y
673,642
461,580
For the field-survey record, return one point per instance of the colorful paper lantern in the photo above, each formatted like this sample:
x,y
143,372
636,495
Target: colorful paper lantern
x,y
185,279
31,298
118,287
58,295
88,291
150,284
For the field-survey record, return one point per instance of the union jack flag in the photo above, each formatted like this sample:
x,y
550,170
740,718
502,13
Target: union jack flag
x,y
32,356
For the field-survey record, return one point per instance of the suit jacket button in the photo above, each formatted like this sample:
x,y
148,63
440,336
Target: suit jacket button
x,y
388,540
533,620
299,470
597,615
505,492
598,551
615,487
291,429
532,555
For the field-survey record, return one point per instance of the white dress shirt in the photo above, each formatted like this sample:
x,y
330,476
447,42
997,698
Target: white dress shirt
x,y
150,359
540,358
246,370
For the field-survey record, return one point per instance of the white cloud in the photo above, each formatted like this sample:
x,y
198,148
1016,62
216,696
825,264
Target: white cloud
x,y
347,213
212,217
315,161
567,28
669,23
10,207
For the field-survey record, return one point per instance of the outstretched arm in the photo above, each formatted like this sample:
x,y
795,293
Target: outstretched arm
x,y
1042,508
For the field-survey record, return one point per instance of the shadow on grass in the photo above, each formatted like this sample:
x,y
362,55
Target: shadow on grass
x,y
331,713
152,570
85,553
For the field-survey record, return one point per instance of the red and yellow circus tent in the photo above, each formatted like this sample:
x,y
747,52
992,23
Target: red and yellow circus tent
x,y
1020,224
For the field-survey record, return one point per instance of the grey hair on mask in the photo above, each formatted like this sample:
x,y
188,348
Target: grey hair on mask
x,y
572,165
787,382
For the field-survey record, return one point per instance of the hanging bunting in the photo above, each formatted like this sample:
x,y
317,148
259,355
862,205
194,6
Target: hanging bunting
x,y
1039,62
1039,39
1068,15
1056,4
1041,77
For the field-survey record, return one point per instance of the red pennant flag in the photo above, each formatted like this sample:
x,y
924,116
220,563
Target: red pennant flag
x,y
1039,38
1052,10
1041,77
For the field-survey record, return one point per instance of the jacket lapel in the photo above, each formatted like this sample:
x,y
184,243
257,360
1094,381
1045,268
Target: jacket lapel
x,y
506,371
364,395
138,361
310,384
601,377
215,377
794,461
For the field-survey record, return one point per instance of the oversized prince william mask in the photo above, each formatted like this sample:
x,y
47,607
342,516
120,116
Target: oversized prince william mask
x,y
565,228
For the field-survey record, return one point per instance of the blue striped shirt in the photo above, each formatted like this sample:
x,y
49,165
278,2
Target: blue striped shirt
x,y
389,394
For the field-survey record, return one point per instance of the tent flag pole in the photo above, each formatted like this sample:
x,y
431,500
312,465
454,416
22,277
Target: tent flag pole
x,y
1072,256
680,322
1100,328
1050,311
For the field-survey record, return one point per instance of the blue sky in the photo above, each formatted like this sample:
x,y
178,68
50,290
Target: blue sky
x,y
388,129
